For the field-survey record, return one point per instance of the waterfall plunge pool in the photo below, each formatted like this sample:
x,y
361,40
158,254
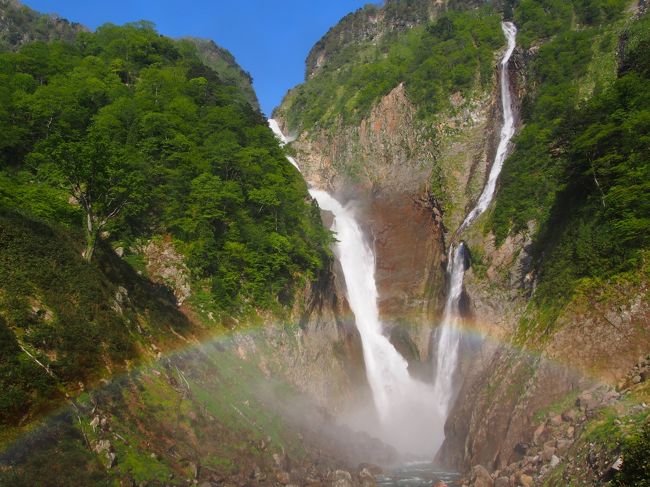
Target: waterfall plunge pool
x,y
417,474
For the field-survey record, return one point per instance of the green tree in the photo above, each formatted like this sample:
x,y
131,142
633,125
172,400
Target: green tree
x,y
102,178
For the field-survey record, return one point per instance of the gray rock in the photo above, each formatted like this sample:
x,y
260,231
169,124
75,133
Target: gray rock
x,y
112,459
555,461
502,482
636,379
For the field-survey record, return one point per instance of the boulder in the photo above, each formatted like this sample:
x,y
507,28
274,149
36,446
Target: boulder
x,y
547,453
502,482
283,477
586,402
366,478
526,480
481,477
342,478
555,461
570,416
562,447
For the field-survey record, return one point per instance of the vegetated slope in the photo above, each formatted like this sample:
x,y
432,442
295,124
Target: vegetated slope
x,y
66,323
224,63
20,24
126,117
580,168
128,132
455,53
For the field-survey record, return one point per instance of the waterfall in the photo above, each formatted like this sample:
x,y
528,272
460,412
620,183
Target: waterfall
x,y
446,358
507,130
447,354
273,124
403,404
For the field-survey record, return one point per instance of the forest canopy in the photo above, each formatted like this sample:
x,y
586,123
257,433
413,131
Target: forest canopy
x,y
129,132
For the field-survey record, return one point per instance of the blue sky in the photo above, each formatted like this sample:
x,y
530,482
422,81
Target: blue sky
x,y
269,38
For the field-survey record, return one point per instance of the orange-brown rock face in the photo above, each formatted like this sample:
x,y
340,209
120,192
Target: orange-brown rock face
x,y
409,252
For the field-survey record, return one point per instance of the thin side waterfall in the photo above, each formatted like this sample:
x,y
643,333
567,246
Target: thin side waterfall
x,y
447,354
403,404
446,358
507,130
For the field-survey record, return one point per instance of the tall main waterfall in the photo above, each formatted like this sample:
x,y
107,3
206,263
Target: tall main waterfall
x,y
403,404
447,352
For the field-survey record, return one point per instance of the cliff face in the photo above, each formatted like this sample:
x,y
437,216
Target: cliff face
x,y
521,379
369,24
20,24
390,167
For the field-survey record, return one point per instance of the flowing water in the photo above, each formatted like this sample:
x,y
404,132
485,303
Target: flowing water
x,y
416,474
403,404
449,335
507,130
446,357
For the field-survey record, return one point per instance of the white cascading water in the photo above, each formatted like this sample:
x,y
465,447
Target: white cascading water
x,y
273,124
447,354
507,130
403,404
446,358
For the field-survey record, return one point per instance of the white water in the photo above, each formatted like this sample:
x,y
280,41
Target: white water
x,y
447,353
507,130
403,404
283,140
449,340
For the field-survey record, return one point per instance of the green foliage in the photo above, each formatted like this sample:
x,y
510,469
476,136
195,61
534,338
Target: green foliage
x,y
149,140
539,20
224,64
64,313
636,459
581,170
456,53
